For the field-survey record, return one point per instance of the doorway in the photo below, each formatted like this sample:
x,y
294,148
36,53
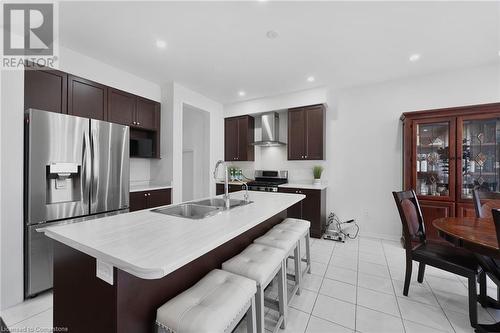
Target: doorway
x,y
195,153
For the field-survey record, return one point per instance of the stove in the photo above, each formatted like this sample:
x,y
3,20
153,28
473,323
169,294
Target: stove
x,y
268,180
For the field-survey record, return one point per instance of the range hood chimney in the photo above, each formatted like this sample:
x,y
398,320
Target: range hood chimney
x,y
270,130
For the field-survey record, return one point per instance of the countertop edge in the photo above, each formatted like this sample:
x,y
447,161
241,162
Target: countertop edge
x,y
142,188
151,274
304,186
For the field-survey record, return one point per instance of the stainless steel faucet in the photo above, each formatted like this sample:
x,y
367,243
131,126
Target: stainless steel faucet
x,y
226,181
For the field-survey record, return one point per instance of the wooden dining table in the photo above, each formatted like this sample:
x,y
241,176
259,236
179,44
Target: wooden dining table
x,y
477,235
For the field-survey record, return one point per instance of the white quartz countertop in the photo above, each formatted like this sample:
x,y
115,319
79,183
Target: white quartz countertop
x,y
151,245
305,185
148,187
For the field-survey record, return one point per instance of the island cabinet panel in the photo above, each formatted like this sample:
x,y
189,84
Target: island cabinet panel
x,y
150,199
121,107
219,188
129,305
306,133
87,98
447,153
312,209
239,134
46,90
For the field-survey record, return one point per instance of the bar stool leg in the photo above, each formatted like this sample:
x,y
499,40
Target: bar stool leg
x,y
259,308
251,324
282,293
298,266
308,252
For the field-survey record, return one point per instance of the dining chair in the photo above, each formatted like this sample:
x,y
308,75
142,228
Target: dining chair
x,y
484,202
492,268
448,258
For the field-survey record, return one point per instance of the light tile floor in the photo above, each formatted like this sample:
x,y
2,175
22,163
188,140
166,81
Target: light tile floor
x,y
354,287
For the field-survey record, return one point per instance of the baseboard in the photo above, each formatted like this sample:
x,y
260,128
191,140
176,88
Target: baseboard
x,y
394,238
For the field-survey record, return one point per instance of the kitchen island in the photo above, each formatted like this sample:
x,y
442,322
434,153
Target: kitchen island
x,y
144,258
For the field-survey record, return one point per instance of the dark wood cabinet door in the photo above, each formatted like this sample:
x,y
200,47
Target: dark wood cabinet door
x,y
219,188
138,201
121,107
87,98
432,210
296,210
296,134
246,136
147,114
46,90
314,122
158,198
231,137
466,210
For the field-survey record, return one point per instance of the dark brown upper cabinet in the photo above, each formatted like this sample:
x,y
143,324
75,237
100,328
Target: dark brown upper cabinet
x,y
239,134
147,114
87,98
132,110
45,90
121,107
306,133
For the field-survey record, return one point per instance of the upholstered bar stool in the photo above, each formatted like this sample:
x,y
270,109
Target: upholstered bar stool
x,y
262,263
302,227
216,303
288,241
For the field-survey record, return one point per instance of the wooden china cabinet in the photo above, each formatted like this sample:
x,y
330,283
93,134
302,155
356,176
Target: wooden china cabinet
x,y
446,154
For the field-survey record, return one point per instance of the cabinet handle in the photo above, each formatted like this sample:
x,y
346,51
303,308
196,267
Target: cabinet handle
x,y
133,122
138,123
145,194
149,194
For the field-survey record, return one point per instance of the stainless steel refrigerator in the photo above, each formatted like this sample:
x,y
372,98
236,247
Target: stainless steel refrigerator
x,y
75,169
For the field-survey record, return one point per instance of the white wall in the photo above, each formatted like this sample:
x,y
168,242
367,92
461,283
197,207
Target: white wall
x,y
366,147
169,167
196,139
363,138
11,204
11,122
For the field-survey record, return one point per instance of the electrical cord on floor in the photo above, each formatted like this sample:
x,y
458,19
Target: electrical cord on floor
x,y
332,218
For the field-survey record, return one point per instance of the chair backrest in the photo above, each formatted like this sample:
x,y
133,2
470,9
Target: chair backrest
x,y
411,218
484,202
496,217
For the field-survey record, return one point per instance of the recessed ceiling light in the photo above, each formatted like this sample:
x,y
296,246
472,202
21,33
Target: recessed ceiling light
x,y
414,57
242,93
271,34
161,44
310,79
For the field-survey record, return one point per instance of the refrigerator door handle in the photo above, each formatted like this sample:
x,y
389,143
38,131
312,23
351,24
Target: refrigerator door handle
x,y
94,148
86,168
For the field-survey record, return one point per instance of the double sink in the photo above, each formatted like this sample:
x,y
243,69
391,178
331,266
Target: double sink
x,y
200,209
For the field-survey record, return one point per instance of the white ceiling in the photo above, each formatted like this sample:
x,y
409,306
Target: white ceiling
x,y
219,48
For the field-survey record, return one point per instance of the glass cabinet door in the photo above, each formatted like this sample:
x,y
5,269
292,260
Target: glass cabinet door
x,y
479,153
434,159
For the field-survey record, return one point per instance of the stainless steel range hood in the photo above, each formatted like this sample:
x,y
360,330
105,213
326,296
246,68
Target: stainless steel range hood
x,y
270,130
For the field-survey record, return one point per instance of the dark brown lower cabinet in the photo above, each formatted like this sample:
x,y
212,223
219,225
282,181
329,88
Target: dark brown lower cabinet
x,y
312,208
150,199
219,188
465,210
432,210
